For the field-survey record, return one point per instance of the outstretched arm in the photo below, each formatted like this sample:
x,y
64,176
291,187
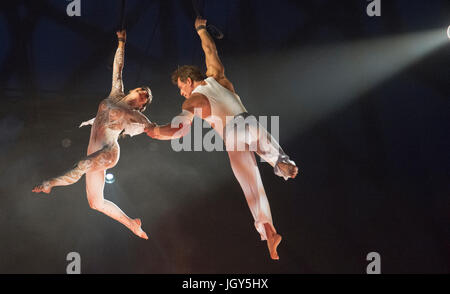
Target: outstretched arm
x,y
180,124
135,117
214,67
117,83
136,123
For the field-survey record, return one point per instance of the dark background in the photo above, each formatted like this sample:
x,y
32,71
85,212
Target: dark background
x,y
374,168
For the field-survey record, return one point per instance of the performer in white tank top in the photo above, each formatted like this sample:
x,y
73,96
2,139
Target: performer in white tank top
x,y
223,102
214,95
226,107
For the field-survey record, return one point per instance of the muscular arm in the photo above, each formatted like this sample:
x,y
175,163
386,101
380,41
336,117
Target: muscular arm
x,y
180,124
179,127
214,67
117,83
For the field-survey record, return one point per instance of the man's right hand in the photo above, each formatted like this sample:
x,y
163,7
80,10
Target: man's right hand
x,y
199,22
122,35
150,130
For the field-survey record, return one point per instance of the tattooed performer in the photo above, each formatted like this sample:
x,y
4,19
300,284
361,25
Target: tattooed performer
x,y
212,97
118,112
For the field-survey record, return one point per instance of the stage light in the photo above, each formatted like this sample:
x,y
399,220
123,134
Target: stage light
x,y
331,76
448,32
109,178
66,142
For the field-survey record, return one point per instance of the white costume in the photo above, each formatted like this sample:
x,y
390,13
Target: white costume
x,y
131,129
227,110
113,117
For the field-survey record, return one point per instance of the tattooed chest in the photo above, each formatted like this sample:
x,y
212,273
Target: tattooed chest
x,y
108,123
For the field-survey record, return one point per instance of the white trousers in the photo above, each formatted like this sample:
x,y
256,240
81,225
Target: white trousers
x,y
241,142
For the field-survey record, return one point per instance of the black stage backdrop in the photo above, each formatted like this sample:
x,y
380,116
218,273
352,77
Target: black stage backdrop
x,y
363,110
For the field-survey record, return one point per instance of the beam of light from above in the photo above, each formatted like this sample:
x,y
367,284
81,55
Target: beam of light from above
x,y
316,81
302,86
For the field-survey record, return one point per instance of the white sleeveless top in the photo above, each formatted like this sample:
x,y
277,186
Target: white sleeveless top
x,y
223,103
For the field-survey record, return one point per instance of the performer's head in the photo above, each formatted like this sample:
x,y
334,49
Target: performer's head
x,y
186,78
139,98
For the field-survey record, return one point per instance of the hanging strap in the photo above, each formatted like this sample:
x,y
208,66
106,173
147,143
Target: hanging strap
x,y
122,15
213,30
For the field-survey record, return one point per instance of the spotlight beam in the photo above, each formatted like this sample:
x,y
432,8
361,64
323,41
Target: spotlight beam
x,y
316,81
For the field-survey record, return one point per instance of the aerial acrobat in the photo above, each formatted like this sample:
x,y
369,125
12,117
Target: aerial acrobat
x,y
211,96
118,113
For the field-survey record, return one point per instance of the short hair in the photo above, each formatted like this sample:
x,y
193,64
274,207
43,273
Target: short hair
x,y
187,71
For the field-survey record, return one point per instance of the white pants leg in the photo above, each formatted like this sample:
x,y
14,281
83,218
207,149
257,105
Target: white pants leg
x,y
241,139
246,171
245,133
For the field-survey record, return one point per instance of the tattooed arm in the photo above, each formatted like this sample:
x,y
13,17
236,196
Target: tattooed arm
x,y
135,116
117,83
133,121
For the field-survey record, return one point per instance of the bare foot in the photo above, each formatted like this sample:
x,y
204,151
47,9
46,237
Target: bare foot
x,y
44,187
138,221
288,169
272,244
138,230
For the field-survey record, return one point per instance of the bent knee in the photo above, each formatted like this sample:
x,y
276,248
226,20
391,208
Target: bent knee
x,y
107,160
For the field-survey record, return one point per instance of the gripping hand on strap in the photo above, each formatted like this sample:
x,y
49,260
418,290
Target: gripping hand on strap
x,y
117,83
